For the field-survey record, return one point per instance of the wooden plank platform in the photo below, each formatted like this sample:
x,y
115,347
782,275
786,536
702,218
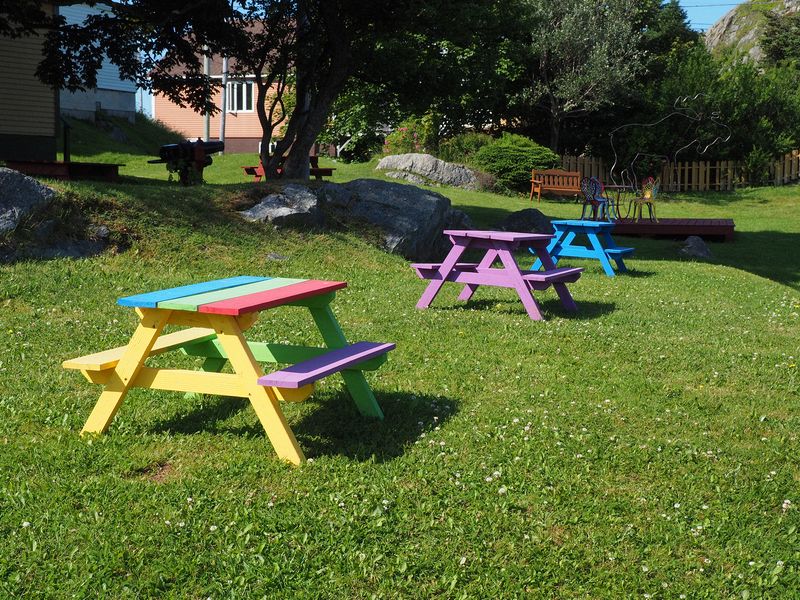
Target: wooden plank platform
x,y
713,229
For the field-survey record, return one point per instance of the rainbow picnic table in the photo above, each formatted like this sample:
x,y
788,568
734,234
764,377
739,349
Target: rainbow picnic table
x,y
498,245
602,244
216,314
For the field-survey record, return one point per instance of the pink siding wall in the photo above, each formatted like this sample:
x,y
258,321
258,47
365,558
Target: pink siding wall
x,y
242,129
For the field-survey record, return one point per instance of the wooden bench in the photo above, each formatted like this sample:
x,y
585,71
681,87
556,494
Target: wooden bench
x,y
556,181
315,170
314,369
91,364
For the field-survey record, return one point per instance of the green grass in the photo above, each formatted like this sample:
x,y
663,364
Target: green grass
x,y
644,446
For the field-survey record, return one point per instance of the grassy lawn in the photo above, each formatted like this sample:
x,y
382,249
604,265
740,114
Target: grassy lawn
x,y
644,447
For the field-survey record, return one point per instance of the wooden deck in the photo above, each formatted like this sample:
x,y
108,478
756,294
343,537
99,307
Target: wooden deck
x,y
67,170
713,229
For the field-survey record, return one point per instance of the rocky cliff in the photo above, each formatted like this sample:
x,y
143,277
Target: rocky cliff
x,y
740,29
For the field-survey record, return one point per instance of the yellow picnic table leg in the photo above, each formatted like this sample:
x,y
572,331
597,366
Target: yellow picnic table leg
x,y
263,399
151,323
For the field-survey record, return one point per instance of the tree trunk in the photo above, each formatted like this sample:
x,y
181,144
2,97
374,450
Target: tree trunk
x,y
312,108
555,128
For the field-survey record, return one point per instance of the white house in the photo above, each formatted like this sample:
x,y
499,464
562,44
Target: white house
x,y
112,95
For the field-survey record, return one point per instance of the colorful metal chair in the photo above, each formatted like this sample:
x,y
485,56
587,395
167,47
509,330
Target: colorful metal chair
x,y
650,188
592,191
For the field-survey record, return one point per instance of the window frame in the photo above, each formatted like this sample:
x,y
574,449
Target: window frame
x,y
248,96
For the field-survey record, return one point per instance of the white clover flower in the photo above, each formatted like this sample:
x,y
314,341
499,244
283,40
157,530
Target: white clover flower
x,y
212,528
502,491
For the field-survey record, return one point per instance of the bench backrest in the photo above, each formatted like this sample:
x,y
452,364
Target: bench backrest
x,y
557,178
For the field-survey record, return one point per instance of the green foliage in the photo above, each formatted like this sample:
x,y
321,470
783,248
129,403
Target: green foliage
x,y
760,107
581,56
355,121
780,39
511,158
462,147
413,135
757,166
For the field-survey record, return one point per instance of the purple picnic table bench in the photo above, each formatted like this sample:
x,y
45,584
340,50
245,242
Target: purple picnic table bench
x,y
498,245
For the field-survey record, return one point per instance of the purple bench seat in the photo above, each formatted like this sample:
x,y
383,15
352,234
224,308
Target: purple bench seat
x,y
472,273
316,368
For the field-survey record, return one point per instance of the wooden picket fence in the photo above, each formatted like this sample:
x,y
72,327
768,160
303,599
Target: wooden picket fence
x,y
695,176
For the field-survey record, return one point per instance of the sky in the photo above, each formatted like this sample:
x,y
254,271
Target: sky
x,y
702,14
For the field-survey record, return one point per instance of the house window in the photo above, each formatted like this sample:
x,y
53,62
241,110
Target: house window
x,y
240,96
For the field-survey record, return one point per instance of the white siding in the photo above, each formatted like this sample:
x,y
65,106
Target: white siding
x,y
108,75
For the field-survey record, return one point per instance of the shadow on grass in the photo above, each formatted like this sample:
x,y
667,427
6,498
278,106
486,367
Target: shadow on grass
x,y
635,273
334,427
768,254
330,424
208,414
485,217
550,308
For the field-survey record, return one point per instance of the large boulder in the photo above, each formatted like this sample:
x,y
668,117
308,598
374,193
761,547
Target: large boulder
x,y
695,247
411,219
294,206
19,196
430,169
526,220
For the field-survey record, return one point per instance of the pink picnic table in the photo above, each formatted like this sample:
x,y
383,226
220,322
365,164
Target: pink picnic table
x,y
498,245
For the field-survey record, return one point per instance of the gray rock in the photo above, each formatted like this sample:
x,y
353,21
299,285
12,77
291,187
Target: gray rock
x,y
336,195
276,256
19,196
295,206
696,247
411,219
431,169
410,177
526,220
99,232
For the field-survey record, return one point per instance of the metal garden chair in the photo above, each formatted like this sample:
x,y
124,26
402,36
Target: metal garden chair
x,y
601,208
650,189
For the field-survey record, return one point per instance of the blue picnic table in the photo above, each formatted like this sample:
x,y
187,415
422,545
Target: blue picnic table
x,y
601,244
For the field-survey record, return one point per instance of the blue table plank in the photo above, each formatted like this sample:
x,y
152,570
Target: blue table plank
x,y
151,299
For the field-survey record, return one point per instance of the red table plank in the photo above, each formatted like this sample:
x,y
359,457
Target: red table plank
x,y
271,298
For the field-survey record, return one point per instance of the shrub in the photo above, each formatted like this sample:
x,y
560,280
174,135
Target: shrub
x,y
511,158
413,135
757,166
361,149
462,148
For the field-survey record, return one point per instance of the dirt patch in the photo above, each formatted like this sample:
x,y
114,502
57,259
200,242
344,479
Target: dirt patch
x,y
155,473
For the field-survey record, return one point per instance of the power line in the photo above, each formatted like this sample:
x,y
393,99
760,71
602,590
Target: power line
x,y
725,4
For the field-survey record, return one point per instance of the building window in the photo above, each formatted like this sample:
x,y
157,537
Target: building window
x,y
240,96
